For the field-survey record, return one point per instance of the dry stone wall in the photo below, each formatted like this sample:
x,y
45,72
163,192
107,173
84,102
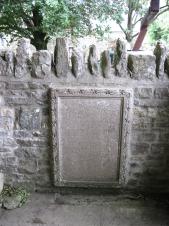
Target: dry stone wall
x,y
25,124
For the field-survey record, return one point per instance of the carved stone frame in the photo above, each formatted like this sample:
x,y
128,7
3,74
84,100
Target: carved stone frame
x,y
127,97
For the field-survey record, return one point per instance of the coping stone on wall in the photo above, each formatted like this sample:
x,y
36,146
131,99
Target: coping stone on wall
x,y
141,65
61,58
41,64
22,60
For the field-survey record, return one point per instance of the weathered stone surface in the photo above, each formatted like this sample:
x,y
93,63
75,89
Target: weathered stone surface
x,y
161,93
160,53
143,93
9,56
25,152
166,65
141,65
105,64
22,60
6,63
41,64
2,102
120,59
93,61
140,148
6,118
1,182
90,120
2,64
61,58
78,63
30,119
12,202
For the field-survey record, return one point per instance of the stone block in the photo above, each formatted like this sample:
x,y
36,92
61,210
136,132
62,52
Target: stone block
x,y
30,119
6,63
78,63
17,85
7,112
61,58
160,53
41,64
1,181
161,93
93,65
144,137
141,65
120,59
6,123
140,148
166,65
105,64
164,136
22,58
143,93
2,101
160,149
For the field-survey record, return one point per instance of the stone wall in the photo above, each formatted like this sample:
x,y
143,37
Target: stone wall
x,y
25,122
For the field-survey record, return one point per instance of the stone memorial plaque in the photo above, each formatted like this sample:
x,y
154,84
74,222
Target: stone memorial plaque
x,y
89,133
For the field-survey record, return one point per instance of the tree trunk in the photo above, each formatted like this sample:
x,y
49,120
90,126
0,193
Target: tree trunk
x,y
39,40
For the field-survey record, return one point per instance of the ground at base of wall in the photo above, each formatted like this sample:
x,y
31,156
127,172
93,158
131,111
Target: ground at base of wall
x,y
77,210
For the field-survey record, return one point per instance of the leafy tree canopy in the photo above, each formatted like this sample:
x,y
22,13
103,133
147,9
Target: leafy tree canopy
x,y
159,30
41,19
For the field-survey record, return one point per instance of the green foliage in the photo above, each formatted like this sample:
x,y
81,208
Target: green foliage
x,y
159,30
40,19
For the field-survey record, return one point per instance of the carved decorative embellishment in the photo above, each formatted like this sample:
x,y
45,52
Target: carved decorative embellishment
x,y
90,122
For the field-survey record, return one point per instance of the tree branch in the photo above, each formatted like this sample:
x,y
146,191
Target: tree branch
x,y
124,31
133,36
137,21
163,11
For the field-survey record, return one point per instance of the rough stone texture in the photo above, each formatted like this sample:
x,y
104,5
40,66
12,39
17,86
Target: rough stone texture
x,y
105,64
30,119
78,63
160,52
25,123
1,182
22,59
96,134
12,202
61,58
7,63
141,65
41,64
7,143
166,65
120,59
93,61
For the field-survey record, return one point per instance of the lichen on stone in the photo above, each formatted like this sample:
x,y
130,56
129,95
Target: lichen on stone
x,y
13,197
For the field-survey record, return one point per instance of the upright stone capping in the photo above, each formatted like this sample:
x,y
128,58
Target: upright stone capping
x,y
141,65
61,58
6,63
166,65
105,64
41,64
160,53
120,59
93,61
78,64
22,59
10,57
